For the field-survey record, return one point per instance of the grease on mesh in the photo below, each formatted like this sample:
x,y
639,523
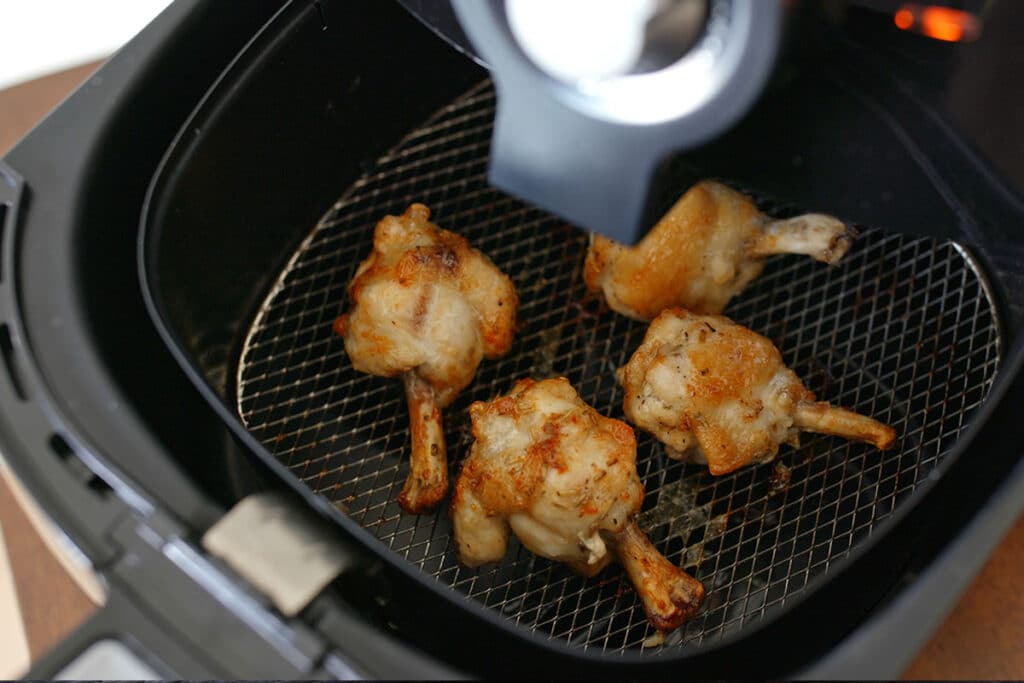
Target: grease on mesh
x,y
903,330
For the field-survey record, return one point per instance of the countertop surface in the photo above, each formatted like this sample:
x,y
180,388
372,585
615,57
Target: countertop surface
x,y
981,638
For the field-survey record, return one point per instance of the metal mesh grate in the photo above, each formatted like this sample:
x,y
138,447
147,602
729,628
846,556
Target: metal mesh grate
x,y
903,330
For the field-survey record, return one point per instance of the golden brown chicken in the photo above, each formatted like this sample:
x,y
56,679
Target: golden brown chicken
x,y
426,307
714,392
562,477
708,247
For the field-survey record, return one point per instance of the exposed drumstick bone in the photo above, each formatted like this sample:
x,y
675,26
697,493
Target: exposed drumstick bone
x,y
427,482
669,595
823,418
718,393
821,237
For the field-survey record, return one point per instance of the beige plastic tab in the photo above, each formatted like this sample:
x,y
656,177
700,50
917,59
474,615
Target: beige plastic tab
x,y
278,548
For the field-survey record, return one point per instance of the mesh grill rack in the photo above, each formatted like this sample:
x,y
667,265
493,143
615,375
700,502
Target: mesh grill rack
x,y
904,330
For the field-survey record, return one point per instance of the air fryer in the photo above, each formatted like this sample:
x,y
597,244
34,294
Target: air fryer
x,y
178,239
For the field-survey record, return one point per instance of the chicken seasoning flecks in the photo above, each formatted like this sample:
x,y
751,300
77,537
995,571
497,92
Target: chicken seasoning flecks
x,y
715,392
562,477
708,247
427,307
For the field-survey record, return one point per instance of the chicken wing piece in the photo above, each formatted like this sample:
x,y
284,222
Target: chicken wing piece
x,y
426,307
708,247
714,392
548,467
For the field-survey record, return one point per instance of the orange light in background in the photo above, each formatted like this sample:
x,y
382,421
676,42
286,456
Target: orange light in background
x,y
940,23
904,18
943,23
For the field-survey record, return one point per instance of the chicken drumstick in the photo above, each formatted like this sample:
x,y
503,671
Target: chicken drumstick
x,y
562,477
427,307
708,247
714,392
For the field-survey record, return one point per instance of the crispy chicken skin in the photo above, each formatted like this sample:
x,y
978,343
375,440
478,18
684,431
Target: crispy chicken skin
x,y
714,392
427,307
708,247
548,467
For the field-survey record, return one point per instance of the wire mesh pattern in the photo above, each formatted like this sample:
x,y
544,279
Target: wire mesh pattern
x,y
903,330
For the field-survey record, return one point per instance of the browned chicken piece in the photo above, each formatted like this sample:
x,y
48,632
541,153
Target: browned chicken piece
x,y
708,247
426,307
714,392
563,478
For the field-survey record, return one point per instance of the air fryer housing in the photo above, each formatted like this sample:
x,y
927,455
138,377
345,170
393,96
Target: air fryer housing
x,y
103,423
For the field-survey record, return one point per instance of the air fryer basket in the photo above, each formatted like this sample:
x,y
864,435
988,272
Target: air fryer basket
x,y
907,329
903,330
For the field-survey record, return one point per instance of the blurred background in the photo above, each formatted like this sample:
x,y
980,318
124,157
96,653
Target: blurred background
x,y
37,37
67,37
46,50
